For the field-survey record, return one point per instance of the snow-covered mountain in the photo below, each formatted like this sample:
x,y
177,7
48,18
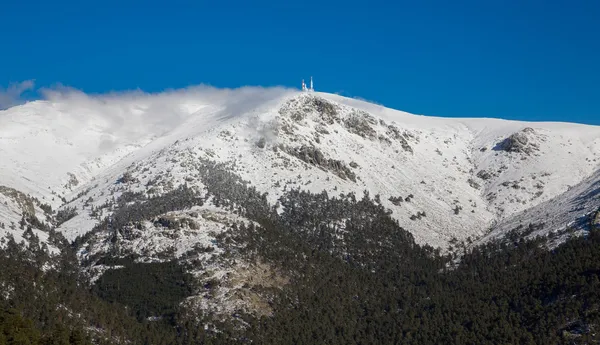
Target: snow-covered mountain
x,y
441,178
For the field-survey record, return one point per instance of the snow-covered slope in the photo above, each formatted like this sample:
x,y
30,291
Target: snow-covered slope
x,y
569,213
442,178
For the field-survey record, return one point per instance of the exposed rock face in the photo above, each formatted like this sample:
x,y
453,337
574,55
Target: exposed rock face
x,y
520,142
596,220
261,143
246,286
359,123
484,175
24,201
327,113
322,107
73,181
299,108
473,184
314,156
394,133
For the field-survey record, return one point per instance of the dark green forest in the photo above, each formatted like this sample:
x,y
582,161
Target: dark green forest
x,y
356,277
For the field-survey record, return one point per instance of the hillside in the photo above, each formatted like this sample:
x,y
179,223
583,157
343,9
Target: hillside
x,y
277,216
465,175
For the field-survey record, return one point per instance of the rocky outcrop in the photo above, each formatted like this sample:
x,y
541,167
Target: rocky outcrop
x,y
360,123
323,107
355,121
394,133
299,108
520,142
24,202
484,175
473,184
261,143
314,156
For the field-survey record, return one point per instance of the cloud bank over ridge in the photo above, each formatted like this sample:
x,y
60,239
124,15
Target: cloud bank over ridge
x,y
11,95
125,117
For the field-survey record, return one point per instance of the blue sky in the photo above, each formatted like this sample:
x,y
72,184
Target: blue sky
x,y
516,59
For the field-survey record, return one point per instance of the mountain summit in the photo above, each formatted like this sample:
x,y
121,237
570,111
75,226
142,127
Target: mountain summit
x,y
442,179
220,212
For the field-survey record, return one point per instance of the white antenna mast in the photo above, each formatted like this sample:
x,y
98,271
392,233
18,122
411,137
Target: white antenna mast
x,y
311,84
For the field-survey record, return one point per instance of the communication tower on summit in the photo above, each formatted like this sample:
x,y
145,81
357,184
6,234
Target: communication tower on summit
x,y
305,88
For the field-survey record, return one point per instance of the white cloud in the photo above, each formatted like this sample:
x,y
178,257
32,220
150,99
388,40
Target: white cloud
x,y
11,96
125,117
367,100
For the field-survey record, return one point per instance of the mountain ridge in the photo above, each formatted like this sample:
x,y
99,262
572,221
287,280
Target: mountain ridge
x,y
442,162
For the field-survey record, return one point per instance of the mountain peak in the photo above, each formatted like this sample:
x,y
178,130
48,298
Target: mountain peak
x,y
465,174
